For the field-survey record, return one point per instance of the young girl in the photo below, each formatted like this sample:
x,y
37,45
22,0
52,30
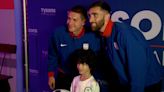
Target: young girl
x,y
85,82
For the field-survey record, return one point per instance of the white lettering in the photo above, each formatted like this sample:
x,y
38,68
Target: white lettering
x,y
163,32
31,30
155,21
35,71
48,10
163,59
157,57
116,16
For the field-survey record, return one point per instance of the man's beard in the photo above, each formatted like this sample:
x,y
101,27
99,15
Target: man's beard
x,y
98,25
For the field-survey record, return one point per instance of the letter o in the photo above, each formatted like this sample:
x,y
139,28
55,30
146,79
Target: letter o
x,y
155,20
119,14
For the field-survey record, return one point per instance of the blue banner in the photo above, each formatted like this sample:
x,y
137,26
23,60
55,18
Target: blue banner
x,y
45,15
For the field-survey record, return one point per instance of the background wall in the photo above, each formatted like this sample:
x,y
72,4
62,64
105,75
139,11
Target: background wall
x,y
7,36
7,27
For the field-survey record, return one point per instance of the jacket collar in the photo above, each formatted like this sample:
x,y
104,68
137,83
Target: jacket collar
x,y
79,35
108,29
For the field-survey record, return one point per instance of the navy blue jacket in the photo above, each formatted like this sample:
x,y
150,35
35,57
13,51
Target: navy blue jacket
x,y
62,44
132,58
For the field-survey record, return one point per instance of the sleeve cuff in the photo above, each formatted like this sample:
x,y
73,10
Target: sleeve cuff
x,y
50,74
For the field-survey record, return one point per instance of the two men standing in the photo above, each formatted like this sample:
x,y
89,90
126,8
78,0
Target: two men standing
x,y
125,47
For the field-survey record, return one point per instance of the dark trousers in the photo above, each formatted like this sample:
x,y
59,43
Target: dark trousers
x,y
154,88
63,81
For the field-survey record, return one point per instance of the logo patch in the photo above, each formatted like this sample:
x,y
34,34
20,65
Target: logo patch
x,y
116,46
63,45
85,46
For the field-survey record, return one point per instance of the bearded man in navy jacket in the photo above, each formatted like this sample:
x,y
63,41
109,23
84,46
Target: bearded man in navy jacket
x,y
126,48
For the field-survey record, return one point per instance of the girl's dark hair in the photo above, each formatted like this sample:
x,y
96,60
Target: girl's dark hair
x,y
86,56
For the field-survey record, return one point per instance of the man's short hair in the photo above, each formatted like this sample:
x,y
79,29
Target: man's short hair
x,y
79,9
103,5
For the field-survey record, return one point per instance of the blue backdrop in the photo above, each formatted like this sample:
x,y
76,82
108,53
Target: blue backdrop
x,y
43,16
